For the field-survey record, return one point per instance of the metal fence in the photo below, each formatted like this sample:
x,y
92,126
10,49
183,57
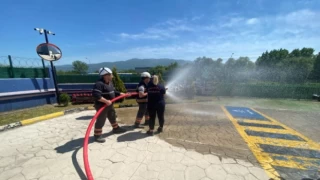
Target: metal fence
x,y
92,78
299,91
21,67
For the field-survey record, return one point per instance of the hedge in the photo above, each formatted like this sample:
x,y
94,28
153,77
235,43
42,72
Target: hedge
x,y
267,91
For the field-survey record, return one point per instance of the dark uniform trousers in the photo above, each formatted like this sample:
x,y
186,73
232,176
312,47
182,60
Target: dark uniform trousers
x,y
108,112
157,109
143,111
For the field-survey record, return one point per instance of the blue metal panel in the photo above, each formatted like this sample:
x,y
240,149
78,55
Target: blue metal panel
x,y
245,113
15,104
25,84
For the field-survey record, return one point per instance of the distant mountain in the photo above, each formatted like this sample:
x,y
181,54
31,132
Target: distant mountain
x,y
128,64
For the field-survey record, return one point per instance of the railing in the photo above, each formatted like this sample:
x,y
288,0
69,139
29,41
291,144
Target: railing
x,y
20,67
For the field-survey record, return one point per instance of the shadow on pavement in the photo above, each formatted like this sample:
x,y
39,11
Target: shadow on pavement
x,y
77,166
75,145
132,136
84,118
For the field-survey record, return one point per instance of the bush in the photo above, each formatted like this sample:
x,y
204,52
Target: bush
x,y
64,99
118,83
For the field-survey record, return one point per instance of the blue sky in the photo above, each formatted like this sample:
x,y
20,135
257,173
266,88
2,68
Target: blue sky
x,y
101,31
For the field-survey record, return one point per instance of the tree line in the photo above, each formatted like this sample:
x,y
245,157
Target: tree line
x,y
278,65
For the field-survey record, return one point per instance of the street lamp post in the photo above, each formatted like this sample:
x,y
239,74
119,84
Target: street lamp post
x,y
46,32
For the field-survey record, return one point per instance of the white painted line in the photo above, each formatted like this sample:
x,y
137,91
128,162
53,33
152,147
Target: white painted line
x,y
26,92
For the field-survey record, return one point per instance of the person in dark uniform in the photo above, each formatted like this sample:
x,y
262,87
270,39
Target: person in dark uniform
x,y
103,92
142,100
156,104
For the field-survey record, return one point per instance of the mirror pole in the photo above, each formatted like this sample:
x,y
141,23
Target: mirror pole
x,y
55,81
53,70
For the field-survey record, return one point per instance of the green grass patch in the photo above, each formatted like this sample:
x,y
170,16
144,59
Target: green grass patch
x,y
18,115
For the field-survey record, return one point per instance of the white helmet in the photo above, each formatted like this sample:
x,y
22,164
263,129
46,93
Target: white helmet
x,y
146,74
104,71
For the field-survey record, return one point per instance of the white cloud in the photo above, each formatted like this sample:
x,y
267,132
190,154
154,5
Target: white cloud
x,y
139,36
243,36
303,18
195,18
233,22
252,21
164,30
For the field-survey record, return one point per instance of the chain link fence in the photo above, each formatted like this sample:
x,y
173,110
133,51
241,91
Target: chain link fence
x,y
4,62
22,67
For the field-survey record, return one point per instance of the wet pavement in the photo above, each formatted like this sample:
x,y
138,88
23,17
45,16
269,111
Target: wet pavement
x,y
200,141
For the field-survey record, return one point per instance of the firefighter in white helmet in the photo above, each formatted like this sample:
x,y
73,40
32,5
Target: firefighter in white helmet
x,y
103,92
142,100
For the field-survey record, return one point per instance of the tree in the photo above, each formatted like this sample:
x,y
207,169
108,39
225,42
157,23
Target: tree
x,y
316,68
307,52
80,67
280,66
158,70
117,82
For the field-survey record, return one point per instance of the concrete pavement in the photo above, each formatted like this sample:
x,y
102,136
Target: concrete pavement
x,y
53,150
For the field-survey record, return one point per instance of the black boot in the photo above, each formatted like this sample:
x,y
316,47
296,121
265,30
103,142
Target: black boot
x,y
146,123
99,139
160,129
119,130
150,133
136,125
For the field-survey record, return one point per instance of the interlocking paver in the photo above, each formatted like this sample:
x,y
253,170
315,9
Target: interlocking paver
x,y
17,177
56,152
235,169
234,177
194,173
216,172
10,173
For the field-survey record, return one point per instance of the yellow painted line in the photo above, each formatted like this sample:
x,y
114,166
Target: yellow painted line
x,y
292,131
259,122
268,130
90,108
263,158
41,118
283,143
294,162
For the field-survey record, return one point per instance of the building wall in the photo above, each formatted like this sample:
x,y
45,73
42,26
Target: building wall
x,y
20,93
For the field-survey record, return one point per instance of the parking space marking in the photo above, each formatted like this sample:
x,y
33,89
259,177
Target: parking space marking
x,y
295,162
292,131
266,130
274,135
275,145
282,142
263,159
257,121
258,125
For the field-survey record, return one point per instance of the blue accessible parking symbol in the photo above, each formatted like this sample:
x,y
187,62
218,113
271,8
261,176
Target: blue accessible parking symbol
x,y
245,113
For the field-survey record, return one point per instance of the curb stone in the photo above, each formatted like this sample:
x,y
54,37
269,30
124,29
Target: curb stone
x,y
53,115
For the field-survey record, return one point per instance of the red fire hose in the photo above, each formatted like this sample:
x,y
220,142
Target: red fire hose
x,y
86,138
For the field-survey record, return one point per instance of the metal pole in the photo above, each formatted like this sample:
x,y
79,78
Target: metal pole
x,y
44,69
11,67
53,71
